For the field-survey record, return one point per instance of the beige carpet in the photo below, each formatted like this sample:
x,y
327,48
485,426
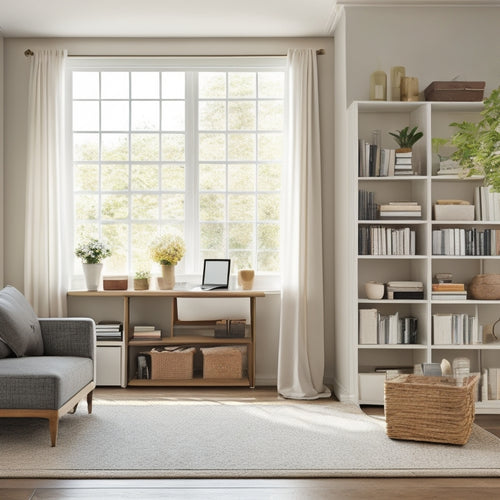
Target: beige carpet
x,y
230,440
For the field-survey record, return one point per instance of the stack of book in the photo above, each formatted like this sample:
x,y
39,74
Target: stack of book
x,y
400,210
403,164
146,332
448,291
109,330
405,290
456,329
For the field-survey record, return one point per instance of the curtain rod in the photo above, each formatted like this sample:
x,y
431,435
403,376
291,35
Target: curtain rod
x,y
319,52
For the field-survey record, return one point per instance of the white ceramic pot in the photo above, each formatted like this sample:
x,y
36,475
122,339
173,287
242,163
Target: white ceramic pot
x,y
92,273
374,290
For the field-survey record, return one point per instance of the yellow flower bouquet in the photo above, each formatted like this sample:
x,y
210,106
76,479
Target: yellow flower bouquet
x,y
167,249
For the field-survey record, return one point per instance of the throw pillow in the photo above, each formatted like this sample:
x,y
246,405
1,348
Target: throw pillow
x,y
19,325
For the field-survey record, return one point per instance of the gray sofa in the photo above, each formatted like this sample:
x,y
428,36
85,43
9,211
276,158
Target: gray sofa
x,y
47,366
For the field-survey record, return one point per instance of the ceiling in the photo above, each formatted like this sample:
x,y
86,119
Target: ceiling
x,y
181,18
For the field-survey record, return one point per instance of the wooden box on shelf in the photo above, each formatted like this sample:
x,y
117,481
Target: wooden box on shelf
x,y
433,409
222,362
455,91
174,363
115,283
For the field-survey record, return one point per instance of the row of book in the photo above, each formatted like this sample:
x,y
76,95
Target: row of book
x,y
462,242
376,328
376,161
487,204
109,330
456,329
380,240
367,208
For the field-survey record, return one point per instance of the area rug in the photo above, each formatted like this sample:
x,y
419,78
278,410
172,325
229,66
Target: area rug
x,y
167,439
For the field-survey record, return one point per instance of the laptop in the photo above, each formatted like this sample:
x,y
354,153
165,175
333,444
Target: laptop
x,y
215,274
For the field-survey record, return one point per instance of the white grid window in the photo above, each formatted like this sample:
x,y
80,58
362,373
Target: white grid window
x,y
196,150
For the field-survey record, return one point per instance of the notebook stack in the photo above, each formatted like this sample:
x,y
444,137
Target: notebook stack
x,y
405,290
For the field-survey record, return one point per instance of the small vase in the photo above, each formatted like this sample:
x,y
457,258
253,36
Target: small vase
x,y
141,284
245,278
92,273
168,277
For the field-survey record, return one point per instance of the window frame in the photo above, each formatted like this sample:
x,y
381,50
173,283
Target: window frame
x,y
192,267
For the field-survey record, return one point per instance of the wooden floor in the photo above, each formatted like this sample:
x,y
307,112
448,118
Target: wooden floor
x,y
246,489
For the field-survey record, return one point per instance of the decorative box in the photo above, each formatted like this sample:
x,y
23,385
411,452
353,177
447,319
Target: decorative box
x,y
454,212
433,409
115,282
222,362
172,363
455,91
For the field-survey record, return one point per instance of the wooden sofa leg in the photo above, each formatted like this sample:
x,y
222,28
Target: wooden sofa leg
x,y
53,426
89,401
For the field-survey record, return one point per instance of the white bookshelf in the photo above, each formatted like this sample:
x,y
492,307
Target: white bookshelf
x,y
353,270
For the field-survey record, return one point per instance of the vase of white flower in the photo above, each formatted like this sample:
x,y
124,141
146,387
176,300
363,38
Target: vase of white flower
x,y
92,253
167,250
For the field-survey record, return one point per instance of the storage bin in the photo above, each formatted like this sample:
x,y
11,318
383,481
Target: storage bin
x,y
455,91
454,212
222,362
434,409
172,363
115,283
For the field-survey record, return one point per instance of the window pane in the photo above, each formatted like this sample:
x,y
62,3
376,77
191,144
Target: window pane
x,y
241,259
86,177
268,206
114,206
173,115
240,236
172,178
212,147
145,177
172,85
271,115
241,115
241,207
241,146
212,115
141,236
271,84
212,237
172,147
270,147
268,261
268,236
242,84
145,85
86,116
212,177
212,85
114,115
145,206
114,178
116,235
114,85
241,177
172,207
145,115
114,147
145,147
85,85
86,206
269,177
85,147
212,207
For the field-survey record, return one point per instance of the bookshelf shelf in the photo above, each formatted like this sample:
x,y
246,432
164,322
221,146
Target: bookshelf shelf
x,y
424,188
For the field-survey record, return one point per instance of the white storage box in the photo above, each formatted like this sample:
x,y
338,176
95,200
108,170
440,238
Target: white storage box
x,y
454,212
371,388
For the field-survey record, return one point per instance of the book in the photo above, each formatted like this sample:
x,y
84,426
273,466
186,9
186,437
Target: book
x,y
368,326
443,287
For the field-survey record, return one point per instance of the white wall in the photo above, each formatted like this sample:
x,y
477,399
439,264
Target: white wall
x,y
16,82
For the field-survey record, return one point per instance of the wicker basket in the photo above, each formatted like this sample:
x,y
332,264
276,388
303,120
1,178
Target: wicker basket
x,y
434,409
172,363
222,362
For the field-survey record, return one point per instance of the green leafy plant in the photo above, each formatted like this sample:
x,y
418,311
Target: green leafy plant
x,y
93,251
478,143
406,138
142,275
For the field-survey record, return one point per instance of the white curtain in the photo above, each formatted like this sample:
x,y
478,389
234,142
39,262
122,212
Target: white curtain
x,y
301,343
45,275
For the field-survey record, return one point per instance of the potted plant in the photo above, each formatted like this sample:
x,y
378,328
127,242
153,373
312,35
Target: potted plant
x,y
167,250
406,138
92,253
141,280
478,144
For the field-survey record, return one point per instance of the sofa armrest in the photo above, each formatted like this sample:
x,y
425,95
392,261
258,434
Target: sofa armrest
x,y
68,337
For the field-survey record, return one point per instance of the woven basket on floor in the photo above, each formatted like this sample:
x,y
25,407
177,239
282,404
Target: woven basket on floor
x,y
222,362
433,409
172,364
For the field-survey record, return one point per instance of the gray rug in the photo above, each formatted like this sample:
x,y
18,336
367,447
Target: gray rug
x,y
230,440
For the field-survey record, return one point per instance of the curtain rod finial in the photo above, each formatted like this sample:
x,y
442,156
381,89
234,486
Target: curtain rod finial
x,y
320,52
28,52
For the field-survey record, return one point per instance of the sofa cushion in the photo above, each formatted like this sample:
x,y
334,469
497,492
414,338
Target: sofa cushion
x,y
19,326
42,382
5,350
